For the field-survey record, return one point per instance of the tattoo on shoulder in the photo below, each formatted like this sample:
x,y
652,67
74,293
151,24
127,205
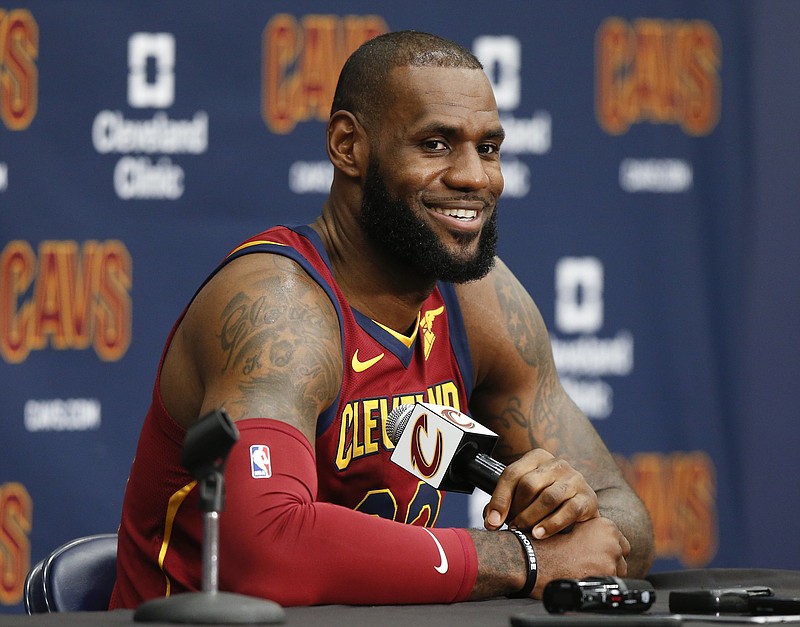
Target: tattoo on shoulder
x,y
247,325
242,319
278,339
517,307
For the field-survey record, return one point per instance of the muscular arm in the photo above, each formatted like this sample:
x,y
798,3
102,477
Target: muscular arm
x,y
518,395
262,339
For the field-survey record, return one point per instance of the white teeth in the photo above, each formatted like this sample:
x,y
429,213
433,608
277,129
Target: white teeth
x,y
463,214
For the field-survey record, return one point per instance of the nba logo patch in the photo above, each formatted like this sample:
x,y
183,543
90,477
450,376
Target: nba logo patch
x,y
260,463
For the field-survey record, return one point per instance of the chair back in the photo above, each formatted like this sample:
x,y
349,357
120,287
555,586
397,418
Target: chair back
x,y
77,577
34,591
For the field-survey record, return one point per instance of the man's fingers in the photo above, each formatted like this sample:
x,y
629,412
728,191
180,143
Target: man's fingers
x,y
496,510
507,491
540,494
576,509
555,507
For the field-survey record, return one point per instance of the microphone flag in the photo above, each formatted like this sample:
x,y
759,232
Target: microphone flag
x,y
431,439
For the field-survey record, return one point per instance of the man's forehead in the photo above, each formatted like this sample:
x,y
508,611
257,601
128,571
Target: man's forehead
x,y
411,76
427,86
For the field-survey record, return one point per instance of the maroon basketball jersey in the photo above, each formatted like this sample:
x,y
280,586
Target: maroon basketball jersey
x,y
382,369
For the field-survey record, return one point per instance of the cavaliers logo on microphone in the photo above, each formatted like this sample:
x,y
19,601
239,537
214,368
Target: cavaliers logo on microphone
x,y
457,418
418,459
427,439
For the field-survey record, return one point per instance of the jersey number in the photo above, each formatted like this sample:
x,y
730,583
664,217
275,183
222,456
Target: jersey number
x,y
423,510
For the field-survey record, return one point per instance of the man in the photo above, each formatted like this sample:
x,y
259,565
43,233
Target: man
x,y
392,295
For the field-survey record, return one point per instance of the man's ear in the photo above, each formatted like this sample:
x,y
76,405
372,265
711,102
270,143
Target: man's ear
x,y
348,148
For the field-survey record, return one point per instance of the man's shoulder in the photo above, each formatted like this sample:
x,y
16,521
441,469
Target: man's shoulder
x,y
480,293
277,235
264,271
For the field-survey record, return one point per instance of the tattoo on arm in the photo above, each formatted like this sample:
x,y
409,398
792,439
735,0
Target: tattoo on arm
x,y
500,564
279,345
516,304
531,341
549,419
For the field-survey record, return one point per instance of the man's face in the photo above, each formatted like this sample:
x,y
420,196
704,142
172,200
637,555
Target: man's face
x,y
431,190
393,226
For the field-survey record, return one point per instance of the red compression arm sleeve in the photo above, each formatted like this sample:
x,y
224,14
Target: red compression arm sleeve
x,y
277,542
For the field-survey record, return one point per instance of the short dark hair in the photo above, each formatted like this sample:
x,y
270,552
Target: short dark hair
x,y
361,89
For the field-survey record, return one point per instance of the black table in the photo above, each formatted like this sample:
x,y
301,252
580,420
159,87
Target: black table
x,y
491,613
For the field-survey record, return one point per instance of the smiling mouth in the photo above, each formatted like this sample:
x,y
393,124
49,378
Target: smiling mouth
x,y
460,214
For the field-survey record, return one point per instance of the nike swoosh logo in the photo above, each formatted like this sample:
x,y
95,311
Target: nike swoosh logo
x,y
443,566
361,366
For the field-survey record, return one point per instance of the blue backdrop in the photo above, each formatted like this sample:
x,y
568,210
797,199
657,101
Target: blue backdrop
x,y
650,208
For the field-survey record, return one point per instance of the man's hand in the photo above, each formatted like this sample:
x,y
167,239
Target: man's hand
x,y
540,494
594,548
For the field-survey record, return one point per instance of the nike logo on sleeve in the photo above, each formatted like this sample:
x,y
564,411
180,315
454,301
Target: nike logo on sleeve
x,y
443,565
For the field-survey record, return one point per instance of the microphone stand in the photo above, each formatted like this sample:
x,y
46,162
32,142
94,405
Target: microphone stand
x,y
204,453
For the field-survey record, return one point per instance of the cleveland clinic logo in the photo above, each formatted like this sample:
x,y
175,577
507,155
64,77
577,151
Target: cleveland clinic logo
x,y
583,357
147,143
159,91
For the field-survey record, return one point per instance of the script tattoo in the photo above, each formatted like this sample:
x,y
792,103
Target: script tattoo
x,y
277,342
547,409
248,326
240,320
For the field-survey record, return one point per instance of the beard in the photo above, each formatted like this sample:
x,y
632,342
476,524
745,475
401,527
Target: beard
x,y
392,227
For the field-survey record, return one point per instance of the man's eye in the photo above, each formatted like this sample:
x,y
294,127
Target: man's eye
x,y
435,145
488,149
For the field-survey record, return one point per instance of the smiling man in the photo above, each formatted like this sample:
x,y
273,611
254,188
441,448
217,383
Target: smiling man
x,y
309,336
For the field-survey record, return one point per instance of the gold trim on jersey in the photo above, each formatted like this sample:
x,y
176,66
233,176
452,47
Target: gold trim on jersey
x,y
254,243
408,340
175,502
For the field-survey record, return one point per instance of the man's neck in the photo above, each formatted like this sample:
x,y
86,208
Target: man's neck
x,y
384,291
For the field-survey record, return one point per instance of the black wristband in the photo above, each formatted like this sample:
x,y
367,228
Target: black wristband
x,y
530,563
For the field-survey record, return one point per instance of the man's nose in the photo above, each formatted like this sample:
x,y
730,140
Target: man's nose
x,y
468,171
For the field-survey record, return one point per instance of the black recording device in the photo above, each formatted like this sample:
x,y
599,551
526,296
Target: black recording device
x,y
753,600
716,600
774,606
598,594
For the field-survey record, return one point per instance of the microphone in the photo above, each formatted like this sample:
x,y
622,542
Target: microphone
x,y
444,447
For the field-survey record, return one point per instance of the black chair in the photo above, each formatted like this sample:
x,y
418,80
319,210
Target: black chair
x,y
76,577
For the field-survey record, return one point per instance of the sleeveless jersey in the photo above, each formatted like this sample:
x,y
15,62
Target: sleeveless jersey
x,y
161,530
381,370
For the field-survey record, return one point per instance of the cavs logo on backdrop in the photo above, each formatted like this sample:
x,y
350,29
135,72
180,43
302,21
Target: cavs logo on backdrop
x,y
679,490
301,64
67,297
658,71
16,518
19,76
